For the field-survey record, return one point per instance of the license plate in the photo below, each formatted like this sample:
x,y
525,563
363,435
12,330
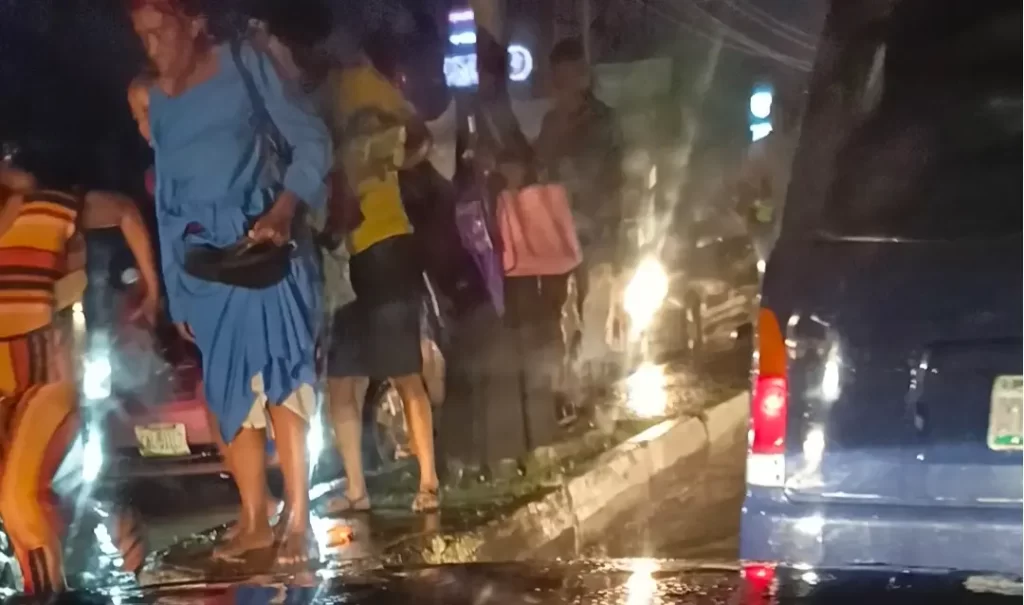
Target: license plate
x,y
162,440
1005,422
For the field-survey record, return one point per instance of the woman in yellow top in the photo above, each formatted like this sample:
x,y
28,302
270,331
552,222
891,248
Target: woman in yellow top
x,y
376,133
41,277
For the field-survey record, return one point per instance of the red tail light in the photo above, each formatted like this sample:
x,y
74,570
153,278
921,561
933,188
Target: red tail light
x,y
768,415
769,402
758,583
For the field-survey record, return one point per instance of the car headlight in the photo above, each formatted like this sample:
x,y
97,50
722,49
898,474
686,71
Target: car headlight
x,y
645,294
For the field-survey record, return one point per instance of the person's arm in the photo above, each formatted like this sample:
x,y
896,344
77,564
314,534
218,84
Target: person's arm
x,y
104,209
418,142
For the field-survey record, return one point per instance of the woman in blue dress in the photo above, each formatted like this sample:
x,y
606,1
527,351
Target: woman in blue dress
x,y
213,178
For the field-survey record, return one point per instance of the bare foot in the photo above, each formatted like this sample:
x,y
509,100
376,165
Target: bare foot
x,y
273,505
296,547
427,500
245,541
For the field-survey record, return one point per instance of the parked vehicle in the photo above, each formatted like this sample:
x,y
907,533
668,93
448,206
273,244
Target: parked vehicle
x,y
885,422
718,288
700,289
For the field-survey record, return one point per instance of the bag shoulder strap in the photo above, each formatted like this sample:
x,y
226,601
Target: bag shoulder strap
x,y
265,123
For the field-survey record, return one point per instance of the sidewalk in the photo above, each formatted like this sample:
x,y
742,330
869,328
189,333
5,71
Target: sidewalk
x,y
566,490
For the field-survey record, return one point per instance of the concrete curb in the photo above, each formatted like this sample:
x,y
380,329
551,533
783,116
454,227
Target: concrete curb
x,y
613,484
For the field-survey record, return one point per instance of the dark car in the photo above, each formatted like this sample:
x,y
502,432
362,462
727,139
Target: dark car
x,y
719,285
711,272
885,423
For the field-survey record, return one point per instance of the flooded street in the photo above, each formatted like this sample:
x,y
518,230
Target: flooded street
x,y
692,516
688,509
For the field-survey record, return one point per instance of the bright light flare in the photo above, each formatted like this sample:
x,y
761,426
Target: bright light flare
x,y
641,587
92,456
761,104
760,131
646,394
315,440
645,294
96,377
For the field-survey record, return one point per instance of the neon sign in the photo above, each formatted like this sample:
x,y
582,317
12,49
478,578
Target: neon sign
x,y
760,112
460,69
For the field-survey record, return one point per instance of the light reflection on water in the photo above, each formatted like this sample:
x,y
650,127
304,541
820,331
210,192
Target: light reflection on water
x,y
646,393
641,587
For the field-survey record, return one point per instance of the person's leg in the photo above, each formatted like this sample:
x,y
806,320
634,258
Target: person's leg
x,y
419,415
273,504
394,350
44,426
554,291
582,275
254,531
346,390
347,395
291,426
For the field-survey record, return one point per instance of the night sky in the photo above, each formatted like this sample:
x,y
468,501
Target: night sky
x,y
64,67
65,64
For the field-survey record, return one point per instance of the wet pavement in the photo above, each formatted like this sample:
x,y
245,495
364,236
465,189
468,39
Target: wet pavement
x,y
672,526
690,516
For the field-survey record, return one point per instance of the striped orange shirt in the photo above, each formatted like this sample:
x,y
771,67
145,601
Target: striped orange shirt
x,y
33,259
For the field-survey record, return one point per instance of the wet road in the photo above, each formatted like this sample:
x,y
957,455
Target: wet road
x,y
690,511
693,511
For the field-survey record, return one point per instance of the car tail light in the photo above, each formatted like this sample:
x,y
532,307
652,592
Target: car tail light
x,y
768,415
758,583
768,406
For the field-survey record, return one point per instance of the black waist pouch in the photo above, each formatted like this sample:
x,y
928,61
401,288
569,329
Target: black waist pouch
x,y
244,264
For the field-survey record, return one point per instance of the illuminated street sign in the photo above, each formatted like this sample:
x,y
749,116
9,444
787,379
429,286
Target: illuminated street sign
x,y
460,69
760,111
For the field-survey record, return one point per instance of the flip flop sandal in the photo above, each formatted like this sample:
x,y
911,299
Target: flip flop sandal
x,y
344,504
426,501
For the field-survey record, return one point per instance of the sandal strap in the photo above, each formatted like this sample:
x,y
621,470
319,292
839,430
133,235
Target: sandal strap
x,y
434,500
350,504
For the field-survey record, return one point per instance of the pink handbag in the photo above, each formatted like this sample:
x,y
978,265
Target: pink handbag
x,y
537,231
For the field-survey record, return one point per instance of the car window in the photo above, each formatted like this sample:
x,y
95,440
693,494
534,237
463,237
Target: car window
x,y
934,125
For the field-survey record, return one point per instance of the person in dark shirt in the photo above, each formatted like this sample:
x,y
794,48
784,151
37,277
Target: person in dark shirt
x,y
580,146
